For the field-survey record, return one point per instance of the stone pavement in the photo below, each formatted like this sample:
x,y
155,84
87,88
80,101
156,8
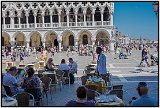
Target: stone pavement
x,y
124,71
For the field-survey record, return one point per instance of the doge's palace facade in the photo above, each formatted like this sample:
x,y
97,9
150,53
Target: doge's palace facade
x,y
32,24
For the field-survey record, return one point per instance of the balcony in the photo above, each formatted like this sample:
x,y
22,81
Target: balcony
x,y
55,25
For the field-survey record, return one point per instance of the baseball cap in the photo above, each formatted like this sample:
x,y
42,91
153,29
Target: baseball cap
x,y
142,84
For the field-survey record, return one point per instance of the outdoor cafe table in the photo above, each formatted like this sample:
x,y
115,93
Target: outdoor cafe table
x,y
101,85
9,103
101,102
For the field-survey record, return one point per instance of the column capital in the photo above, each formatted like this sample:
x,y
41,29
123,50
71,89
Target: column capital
x,y
12,14
50,12
102,10
67,12
43,13
76,11
59,12
3,15
93,11
27,14
35,13
84,11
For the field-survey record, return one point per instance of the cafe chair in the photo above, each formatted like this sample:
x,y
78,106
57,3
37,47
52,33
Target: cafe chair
x,y
24,99
66,77
59,75
54,82
84,80
91,94
34,92
118,92
46,86
8,90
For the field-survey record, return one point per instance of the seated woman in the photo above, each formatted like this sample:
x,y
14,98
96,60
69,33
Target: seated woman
x,y
32,83
63,66
81,98
50,65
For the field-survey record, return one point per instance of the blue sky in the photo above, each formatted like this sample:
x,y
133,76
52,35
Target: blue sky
x,y
136,19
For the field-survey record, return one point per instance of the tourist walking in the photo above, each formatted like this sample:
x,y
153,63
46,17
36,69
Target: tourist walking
x,y
145,53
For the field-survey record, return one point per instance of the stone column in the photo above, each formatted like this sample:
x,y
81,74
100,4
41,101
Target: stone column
x,y
4,25
12,22
59,45
76,17
59,18
27,14
12,18
43,14
35,20
93,42
19,19
51,19
43,44
27,42
93,12
19,22
102,17
84,13
76,42
67,13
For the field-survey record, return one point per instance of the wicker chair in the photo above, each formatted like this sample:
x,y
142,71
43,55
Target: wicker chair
x,y
23,99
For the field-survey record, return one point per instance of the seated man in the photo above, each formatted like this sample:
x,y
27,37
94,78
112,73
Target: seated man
x,y
72,66
10,80
81,98
144,99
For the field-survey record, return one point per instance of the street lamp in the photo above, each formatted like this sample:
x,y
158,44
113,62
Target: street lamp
x,y
155,7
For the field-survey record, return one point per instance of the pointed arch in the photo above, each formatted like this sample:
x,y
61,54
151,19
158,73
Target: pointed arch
x,y
102,37
84,37
67,39
20,38
6,39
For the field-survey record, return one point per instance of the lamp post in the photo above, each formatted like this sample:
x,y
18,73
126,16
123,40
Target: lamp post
x,y
155,7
